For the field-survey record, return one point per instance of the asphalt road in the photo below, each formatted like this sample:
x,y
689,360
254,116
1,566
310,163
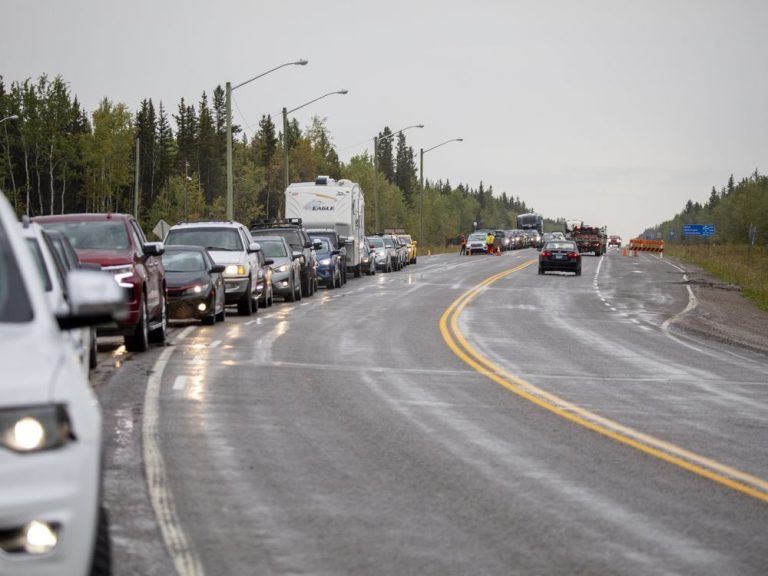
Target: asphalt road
x,y
463,416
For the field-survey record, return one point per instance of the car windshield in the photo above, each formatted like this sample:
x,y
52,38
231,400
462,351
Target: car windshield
x,y
405,239
183,261
272,249
376,242
292,236
94,234
221,239
477,236
14,301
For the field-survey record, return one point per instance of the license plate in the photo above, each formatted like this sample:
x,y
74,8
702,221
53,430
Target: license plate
x,y
559,256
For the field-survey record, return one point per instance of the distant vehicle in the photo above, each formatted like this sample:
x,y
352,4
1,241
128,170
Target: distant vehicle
x,y
614,241
338,242
329,264
560,256
286,269
400,254
410,243
502,239
194,285
590,239
117,243
385,256
228,243
518,239
293,230
533,238
51,439
476,244
368,259
546,237
335,204
531,221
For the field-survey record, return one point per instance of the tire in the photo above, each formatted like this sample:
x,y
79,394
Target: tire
x,y
221,316
101,562
578,271
541,270
358,271
139,340
305,281
159,334
245,304
93,352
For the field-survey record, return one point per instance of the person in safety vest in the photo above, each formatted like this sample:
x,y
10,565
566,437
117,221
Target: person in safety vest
x,y
489,240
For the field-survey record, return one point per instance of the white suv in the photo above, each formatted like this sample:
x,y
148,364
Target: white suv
x,y
51,518
229,244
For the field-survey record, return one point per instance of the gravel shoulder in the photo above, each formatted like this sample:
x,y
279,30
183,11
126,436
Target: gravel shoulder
x,y
723,313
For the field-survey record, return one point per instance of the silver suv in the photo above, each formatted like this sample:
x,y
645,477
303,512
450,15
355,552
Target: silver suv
x,y
230,244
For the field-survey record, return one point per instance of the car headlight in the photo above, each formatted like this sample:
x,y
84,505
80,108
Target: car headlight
x,y
282,268
197,289
325,262
121,274
35,428
234,270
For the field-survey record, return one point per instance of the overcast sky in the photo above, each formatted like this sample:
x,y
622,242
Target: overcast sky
x,y
615,112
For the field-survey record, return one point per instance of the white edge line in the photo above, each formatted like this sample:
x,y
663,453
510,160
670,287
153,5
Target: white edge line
x,y
184,558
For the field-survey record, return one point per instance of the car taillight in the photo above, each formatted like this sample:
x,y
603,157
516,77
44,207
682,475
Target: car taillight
x,y
573,254
546,253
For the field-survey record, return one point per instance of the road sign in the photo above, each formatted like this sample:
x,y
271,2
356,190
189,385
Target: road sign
x,y
698,229
161,229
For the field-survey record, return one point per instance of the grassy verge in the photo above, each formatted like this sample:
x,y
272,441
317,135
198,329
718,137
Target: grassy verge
x,y
732,264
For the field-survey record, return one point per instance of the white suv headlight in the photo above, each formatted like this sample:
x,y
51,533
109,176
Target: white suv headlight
x,y
34,428
234,270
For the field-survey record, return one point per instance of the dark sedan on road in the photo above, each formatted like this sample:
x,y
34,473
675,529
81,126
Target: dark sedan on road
x,y
560,256
194,284
328,263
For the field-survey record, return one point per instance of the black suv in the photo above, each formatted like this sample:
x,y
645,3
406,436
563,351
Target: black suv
x,y
301,244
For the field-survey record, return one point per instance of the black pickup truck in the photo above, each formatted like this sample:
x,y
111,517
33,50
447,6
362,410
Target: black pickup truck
x,y
301,244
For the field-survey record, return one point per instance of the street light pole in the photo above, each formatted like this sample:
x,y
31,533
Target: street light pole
x,y
376,167
229,89
285,133
11,117
421,175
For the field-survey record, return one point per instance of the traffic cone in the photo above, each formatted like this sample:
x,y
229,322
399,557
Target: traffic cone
x,y
498,250
625,250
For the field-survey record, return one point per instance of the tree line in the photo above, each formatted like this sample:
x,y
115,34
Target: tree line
x,y
58,158
739,212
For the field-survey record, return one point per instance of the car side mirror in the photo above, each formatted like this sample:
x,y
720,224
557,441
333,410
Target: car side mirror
x,y
317,244
254,247
269,261
335,252
94,298
153,248
309,244
217,269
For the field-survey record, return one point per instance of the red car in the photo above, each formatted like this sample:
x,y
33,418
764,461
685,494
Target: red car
x,y
117,243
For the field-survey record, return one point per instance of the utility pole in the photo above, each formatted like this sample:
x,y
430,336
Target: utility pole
x,y
136,183
230,181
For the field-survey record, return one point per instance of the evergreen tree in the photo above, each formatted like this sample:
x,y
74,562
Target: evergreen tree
x,y
266,141
165,149
208,164
384,154
405,169
146,132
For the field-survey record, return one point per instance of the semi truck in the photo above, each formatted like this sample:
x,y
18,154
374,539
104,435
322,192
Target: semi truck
x,y
331,204
531,221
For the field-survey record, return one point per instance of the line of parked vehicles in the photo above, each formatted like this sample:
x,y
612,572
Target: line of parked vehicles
x,y
66,279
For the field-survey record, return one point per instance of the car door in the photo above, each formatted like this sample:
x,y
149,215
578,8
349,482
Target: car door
x,y
154,271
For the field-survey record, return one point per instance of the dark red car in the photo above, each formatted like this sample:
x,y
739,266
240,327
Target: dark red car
x,y
117,243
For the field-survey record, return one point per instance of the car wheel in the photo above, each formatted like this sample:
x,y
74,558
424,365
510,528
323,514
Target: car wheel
x,y
541,270
221,316
358,271
245,304
159,334
93,354
578,271
139,340
101,562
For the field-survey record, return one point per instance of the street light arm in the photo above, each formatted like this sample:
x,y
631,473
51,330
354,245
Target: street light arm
x,y
316,99
443,144
383,138
297,63
11,117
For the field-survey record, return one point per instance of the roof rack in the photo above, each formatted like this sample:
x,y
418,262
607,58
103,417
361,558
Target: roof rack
x,y
275,222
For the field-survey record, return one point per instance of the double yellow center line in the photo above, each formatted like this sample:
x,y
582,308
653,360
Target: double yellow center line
x,y
701,465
